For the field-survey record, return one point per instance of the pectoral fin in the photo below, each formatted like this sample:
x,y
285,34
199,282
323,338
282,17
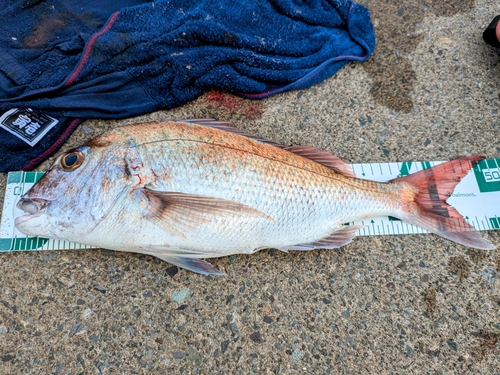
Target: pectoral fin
x,y
337,239
178,213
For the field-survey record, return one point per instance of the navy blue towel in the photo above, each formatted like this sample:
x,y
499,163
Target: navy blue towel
x,y
97,59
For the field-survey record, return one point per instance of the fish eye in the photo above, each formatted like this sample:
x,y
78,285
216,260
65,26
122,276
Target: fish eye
x,y
72,160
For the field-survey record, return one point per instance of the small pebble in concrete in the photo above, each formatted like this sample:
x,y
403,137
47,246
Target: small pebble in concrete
x,y
490,275
233,328
86,129
409,351
178,354
172,271
100,289
257,337
7,358
452,345
76,328
50,256
298,355
86,313
180,296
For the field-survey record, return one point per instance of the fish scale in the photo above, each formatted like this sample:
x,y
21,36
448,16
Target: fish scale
x,y
287,190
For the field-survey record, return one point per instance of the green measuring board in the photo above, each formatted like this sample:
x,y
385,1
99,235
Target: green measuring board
x,y
476,197
10,238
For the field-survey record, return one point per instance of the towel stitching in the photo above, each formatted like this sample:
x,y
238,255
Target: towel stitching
x,y
86,53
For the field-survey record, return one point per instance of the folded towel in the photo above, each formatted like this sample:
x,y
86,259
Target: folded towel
x,y
27,138
97,59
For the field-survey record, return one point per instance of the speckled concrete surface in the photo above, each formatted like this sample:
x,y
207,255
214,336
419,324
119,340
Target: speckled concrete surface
x,y
394,304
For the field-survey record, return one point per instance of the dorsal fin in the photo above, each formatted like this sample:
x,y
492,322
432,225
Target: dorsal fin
x,y
324,158
310,152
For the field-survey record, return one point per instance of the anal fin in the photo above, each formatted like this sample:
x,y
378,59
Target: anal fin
x,y
337,239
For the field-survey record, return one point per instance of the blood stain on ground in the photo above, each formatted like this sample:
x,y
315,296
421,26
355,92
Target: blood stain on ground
x,y
233,104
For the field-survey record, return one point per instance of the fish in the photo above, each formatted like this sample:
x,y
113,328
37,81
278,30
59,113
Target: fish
x,y
189,190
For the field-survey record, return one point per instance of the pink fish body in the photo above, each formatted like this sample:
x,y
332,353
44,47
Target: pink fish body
x,y
182,192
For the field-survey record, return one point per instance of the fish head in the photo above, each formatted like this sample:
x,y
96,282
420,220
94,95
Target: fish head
x,y
75,194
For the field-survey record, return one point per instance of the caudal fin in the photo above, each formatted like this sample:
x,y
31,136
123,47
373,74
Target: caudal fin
x,y
429,209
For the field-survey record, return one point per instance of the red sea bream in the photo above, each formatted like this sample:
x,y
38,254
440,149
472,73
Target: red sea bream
x,y
185,191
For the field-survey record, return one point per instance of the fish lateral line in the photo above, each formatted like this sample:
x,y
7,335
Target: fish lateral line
x,y
335,174
310,153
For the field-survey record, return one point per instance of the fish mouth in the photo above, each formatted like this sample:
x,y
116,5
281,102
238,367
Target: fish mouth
x,y
33,207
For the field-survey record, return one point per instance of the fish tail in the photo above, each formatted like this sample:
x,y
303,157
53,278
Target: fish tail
x,y
424,196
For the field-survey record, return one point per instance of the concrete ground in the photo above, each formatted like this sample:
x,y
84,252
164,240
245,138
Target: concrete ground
x,y
415,304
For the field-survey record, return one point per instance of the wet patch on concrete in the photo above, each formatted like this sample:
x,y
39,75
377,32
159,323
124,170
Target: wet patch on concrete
x,y
396,28
430,300
459,266
476,256
486,344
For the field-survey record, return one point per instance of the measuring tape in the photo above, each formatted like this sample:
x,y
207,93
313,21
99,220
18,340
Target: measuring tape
x,y
476,197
